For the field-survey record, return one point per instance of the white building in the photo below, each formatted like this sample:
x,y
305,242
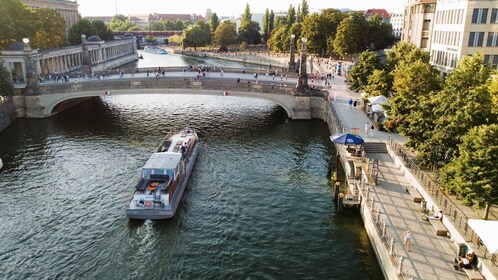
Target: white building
x,y
461,28
396,21
418,21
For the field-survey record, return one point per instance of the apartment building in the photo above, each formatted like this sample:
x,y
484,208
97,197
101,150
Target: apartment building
x,y
397,24
417,23
463,27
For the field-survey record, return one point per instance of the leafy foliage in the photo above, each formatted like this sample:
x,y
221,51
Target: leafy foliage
x,y
291,15
463,103
89,28
351,35
380,33
214,22
121,23
6,87
367,63
249,32
225,34
379,83
320,29
472,175
193,37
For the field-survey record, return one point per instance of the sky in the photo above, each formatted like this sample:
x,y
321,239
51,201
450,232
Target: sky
x,y
222,7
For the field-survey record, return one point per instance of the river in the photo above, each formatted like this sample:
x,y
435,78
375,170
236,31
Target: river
x,y
258,204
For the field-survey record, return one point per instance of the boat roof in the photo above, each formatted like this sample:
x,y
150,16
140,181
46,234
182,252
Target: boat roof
x,y
166,160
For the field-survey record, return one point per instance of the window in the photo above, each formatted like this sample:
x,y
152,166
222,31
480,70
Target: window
x,y
476,39
494,18
479,16
492,39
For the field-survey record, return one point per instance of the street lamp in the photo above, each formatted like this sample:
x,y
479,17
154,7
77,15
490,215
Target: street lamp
x,y
303,76
292,62
31,81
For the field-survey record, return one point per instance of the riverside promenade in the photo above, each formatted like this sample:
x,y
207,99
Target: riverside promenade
x,y
430,256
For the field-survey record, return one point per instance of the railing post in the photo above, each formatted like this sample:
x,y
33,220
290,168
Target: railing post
x,y
384,227
378,215
372,203
391,247
400,268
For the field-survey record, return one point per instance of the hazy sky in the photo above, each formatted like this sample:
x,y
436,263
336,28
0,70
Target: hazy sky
x,y
222,7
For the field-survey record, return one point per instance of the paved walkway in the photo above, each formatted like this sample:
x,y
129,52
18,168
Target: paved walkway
x,y
431,256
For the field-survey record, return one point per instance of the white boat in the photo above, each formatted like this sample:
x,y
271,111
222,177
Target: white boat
x,y
164,177
156,50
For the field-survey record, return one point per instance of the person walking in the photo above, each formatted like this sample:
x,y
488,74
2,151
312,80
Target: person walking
x,y
372,128
407,239
367,129
350,103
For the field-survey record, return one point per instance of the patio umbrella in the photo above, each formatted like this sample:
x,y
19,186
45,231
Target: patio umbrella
x,y
347,139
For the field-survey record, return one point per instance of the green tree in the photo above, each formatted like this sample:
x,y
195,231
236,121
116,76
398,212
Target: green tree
x,y
193,36
225,34
472,175
157,26
464,102
291,16
102,30
379,83
50,29
83,26
351,35
247,16
279,40
367,63
415,84
321,29
249,32
121,23
266,26
207,37
271,24
305,10
380,33
15,22
214,22
6,87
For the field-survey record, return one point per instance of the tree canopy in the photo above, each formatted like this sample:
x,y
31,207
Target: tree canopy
x,y
472,175
6,86
121,23
225,34
352,35
367,63
249,30
89,28
214,22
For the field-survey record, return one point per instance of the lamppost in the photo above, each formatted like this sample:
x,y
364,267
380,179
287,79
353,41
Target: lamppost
x,y
303,76
292,62
31,81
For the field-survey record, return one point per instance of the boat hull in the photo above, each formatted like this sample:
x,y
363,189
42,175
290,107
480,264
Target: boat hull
x,y
169,210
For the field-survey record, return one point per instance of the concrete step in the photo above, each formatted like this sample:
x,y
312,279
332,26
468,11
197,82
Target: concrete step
x,y
375,148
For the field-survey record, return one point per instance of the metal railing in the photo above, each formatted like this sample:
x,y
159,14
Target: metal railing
x,y
449,208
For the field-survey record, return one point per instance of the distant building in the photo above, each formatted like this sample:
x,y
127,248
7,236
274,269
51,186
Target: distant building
x,y
141,20
418,21
105,19
462,28
397,24
209,12
381,12
67,9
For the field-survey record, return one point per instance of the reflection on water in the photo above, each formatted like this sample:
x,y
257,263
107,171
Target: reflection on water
x,y
258,204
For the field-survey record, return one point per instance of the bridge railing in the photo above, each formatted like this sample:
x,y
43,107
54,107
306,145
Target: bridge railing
x,y
174,83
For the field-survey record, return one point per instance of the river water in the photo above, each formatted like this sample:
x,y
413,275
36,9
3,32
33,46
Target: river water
x,y
258,204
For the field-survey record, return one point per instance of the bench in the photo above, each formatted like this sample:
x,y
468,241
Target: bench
x,y
417,197
440,228
473,273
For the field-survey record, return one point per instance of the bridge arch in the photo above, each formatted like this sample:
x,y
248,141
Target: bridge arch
x,y
57,101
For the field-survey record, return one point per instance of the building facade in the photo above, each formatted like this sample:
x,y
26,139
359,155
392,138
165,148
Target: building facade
x,y
397,24
68,9
464,27
418,22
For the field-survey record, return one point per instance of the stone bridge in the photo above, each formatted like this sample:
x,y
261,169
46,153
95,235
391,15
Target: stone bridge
x,y
48,98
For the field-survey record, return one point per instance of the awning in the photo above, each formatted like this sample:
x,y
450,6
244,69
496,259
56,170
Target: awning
x,y
381,99
376,108
486,230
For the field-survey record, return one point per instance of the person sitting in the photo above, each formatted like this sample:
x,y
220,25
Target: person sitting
x,y
462,263
437,216
471,257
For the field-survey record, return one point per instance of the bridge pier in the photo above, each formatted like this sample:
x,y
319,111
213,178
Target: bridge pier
x,y
302,108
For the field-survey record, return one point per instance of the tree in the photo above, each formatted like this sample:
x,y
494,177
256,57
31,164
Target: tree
x,y
193,37
102,30
214,22
266,26
367,63
50,29
415,84
247,16
404,51
249,32
225,34
380,33
305,11
379,83
271,24
464,102
351,35
279,40
472,175
6,86
321,29
15,23
83,26
121,23
291,16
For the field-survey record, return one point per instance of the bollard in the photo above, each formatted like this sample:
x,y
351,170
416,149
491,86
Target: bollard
x,y
384,227
378,215
391,247
336,190
340,204
372,204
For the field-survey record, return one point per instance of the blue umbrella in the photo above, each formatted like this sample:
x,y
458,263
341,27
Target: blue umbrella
x,y
347,139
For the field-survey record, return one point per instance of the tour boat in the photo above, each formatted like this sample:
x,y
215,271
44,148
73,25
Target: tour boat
x,y
156,50
164,177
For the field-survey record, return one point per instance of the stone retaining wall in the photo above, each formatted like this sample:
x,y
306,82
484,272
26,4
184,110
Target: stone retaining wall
x,y
7,113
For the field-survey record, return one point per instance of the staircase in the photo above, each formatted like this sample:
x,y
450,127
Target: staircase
x,y
375,148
